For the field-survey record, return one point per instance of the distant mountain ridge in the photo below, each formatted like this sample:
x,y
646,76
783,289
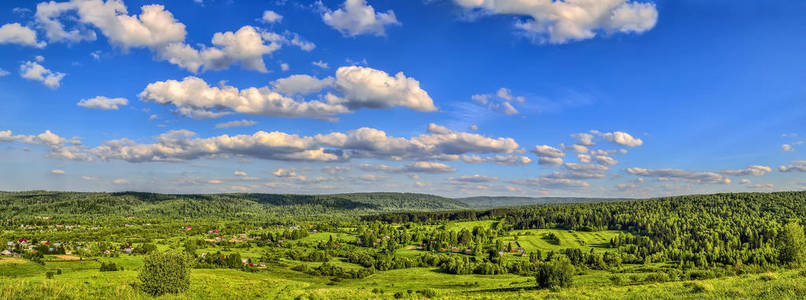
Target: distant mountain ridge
x,y
507,201
236,205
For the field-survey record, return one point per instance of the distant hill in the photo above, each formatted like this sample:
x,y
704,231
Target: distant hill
x,y
45,203
504,201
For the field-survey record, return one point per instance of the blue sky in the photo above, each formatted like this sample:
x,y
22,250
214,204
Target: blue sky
x,y
452,97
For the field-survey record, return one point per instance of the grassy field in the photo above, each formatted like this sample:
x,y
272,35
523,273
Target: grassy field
x,y
82,280
533,240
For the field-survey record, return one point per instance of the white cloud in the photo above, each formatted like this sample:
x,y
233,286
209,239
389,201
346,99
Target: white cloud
x,y
3,72
504,93
481,98
605,160
241,123
548,183
504,160
359,87
284,67
559,22
754,170
103,103
680,175
581,171
270,16
286,173
120,181
787,148
584,139
795,166
14,33
157,29
473,127
240,173
364,87
548,155
364,142
320,64
333,170
33,71
584,158
301,84
476,178
356,17
622,138
57,172
417,167
576,148
194,98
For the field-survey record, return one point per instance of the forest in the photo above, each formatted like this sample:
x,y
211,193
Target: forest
x,y
65,245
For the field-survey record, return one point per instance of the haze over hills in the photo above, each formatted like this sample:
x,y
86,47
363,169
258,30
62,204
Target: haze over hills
x,y
507,201
32,203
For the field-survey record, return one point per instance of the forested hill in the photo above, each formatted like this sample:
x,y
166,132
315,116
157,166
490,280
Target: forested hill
x,y
505,201
134,204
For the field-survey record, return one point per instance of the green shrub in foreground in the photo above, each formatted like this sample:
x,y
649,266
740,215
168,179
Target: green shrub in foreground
x,y
554,274
165,273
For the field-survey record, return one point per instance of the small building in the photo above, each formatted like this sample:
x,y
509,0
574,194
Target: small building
x,y
128,249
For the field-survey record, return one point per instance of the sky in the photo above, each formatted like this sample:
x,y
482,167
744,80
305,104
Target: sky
x,y
610,98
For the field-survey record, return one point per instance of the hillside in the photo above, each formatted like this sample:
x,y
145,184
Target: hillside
x,y
505,201
134,204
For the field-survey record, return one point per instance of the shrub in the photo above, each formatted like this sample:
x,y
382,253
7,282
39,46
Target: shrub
x,y
165,273
428,293
554,274
49,275
768,277
109,267
700,287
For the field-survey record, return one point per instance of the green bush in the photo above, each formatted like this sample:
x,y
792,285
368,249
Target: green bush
x,y
554,274
165,273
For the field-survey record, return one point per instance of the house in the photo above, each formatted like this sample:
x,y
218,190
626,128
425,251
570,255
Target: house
x,y
128,249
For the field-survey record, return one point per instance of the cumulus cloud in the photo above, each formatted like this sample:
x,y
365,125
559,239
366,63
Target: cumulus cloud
x,y
320,64
754,170
417,167
34,71
795,166
787,148
363,87
333,170
476,178
622,139
180,145
103,103
241,123
157,29
270,16
500,104
548,155
680,175
195,98
504,160
4,72
240,173
14,33
584,139
58,172
356,17
549,183
301,84
354,87
605,160
576,148
559,22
